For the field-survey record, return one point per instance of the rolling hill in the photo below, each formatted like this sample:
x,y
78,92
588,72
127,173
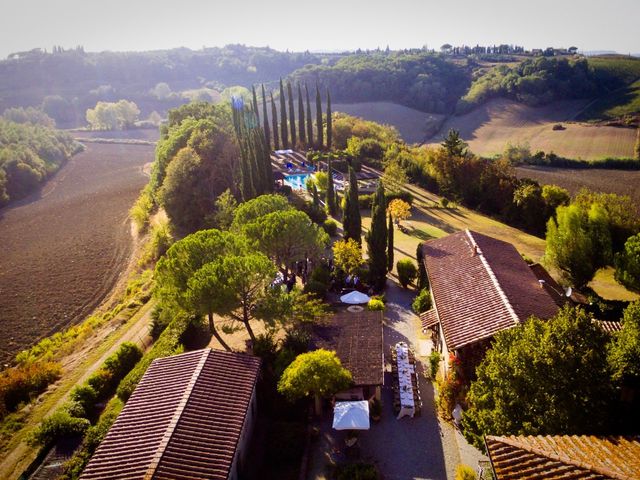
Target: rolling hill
x,y
491,126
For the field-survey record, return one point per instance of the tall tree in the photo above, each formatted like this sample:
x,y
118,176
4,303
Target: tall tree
x,y
627,264
390,244
284,125
624,349
309,122
287,236
578,243
330,198
301,128
274,123
543,377
255,102
292,115
265,120
320,135
352,221
377,239
179,265
329,133
318,373
237,284
454,145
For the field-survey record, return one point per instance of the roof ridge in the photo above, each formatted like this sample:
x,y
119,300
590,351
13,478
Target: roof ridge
x,y
513,442
492,276
157,456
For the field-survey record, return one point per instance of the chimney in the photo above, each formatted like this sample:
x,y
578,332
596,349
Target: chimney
x,y
475,251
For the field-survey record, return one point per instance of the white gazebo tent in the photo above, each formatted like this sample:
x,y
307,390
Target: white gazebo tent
x,y
354,298
351,415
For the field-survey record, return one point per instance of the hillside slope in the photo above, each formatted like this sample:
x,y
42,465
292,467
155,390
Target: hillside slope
x,y
491,126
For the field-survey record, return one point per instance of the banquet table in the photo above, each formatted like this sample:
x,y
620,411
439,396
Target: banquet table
x,y
405,369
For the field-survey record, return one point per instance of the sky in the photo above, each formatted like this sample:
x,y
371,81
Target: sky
x,y
321,25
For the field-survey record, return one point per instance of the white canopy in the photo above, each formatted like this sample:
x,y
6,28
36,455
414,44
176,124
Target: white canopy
x,y
351,415
283,152
354,298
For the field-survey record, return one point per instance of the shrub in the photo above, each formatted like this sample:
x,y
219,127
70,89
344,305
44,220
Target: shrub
x,y
422,302
357,471
265,347
93,437
86,396
58,425
464,472
444,202
316,288
20,384
321,274
167,344
365,201
434,363
141,210
331,227
106,379
407,272
375,304
403,195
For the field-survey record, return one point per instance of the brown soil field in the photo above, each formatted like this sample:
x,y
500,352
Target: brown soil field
x,y
412,124
150,134
491,126
621,182
64,248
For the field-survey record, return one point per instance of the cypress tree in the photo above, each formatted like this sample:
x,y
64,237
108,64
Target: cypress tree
x,y
284,134
292,116
390,244
301,130
309,122
255,103
377,240
265,119
331,198
314,193
320,136
352,222
274,122
329,135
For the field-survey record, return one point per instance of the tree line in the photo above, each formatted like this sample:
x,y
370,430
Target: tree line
x,y
29,154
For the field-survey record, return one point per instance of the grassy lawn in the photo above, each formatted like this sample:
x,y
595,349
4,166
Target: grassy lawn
x,y
430,221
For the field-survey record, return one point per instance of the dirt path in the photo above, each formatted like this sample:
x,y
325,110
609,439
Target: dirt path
x,y
82,364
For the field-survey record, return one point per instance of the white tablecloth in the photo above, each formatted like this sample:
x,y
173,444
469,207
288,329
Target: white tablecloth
x,y
407,404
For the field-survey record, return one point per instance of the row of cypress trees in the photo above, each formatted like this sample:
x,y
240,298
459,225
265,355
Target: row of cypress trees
x,y
380,236
284,134
256,173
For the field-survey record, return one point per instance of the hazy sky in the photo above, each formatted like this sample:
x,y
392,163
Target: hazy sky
x,y
318,25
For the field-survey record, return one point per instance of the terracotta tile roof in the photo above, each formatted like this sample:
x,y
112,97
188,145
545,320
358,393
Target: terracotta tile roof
x,y
481,285
429,319
183,420
564,457
356,337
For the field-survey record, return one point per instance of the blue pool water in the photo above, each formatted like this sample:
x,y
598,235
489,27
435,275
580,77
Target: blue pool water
x,y
297,181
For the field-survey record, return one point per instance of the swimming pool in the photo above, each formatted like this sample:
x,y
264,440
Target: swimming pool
x,y
297,181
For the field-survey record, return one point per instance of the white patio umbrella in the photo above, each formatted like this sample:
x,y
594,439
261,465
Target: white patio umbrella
x,y
354,298
351,415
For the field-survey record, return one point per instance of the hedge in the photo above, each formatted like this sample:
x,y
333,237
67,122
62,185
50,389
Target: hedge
x,y
167,344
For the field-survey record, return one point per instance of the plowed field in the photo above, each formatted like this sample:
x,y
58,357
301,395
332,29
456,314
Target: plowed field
x,y
63,249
